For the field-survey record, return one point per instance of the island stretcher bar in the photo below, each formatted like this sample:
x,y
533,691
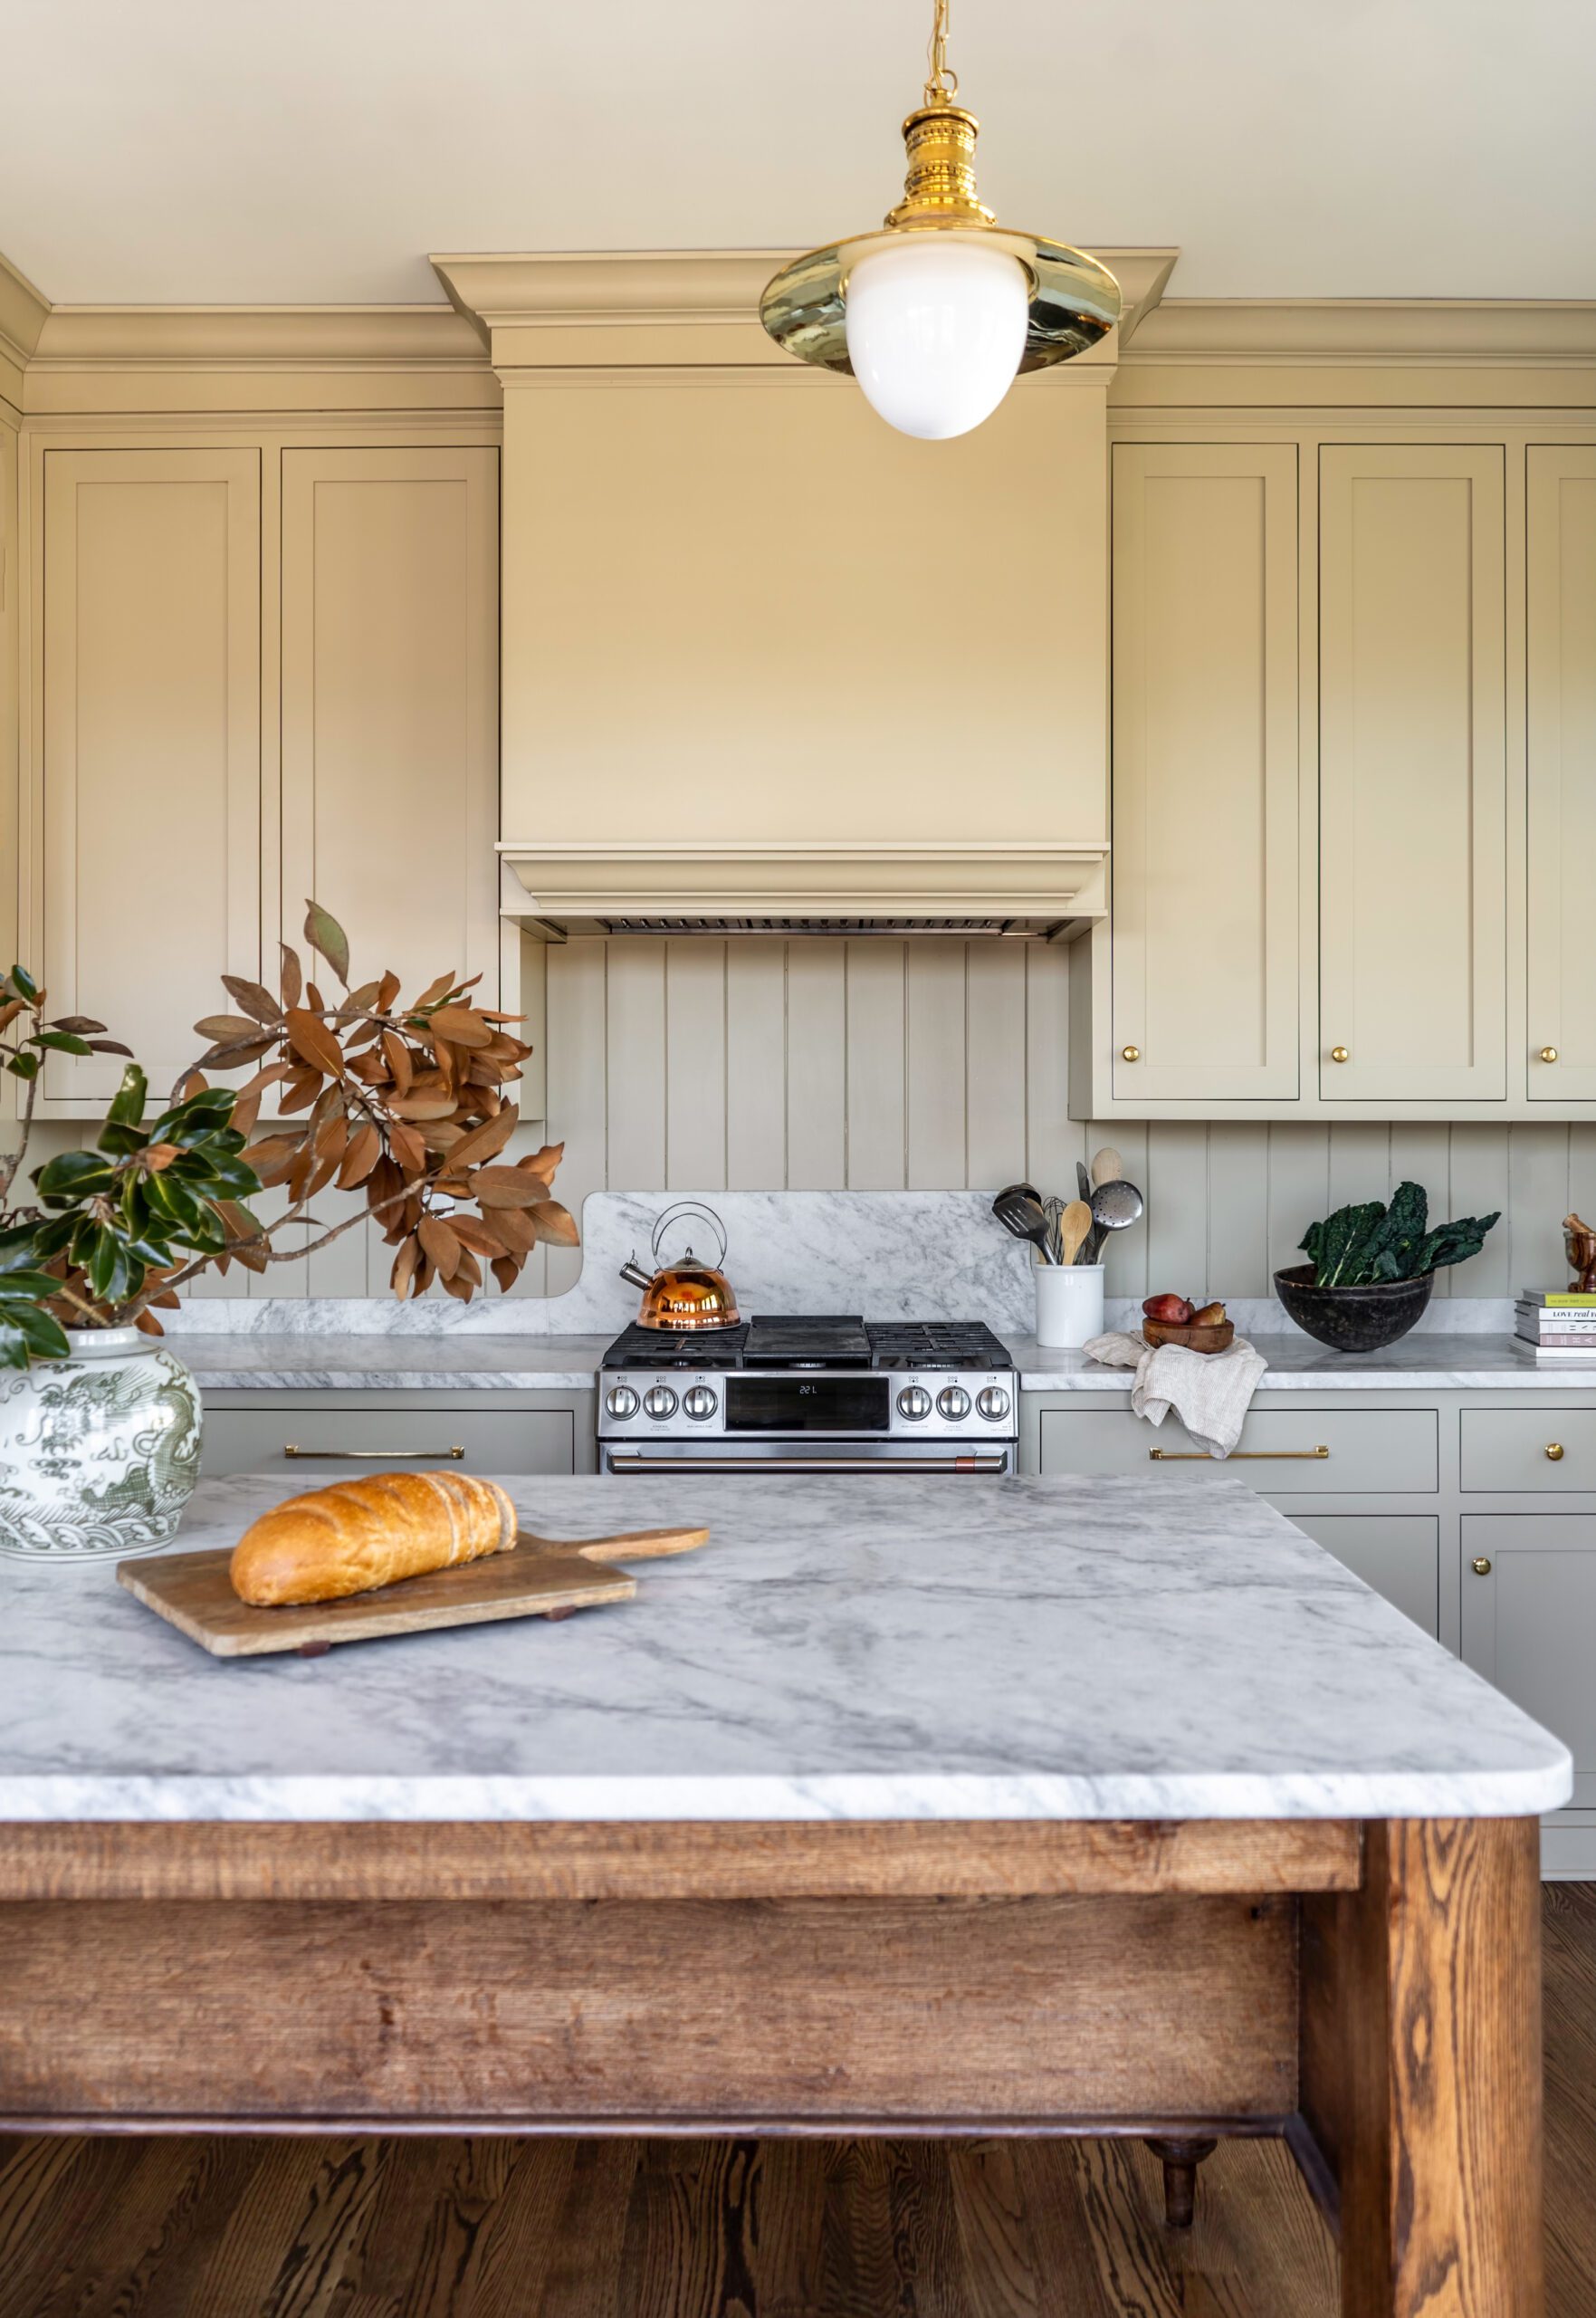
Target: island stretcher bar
x,y
1370,1990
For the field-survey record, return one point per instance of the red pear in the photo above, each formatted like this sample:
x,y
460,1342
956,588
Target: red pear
x,y
1174,1310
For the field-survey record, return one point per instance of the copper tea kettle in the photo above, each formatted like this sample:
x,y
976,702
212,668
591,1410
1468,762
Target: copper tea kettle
x,y
687,1295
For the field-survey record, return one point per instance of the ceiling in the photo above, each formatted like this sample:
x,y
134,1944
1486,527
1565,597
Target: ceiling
x,y
310,151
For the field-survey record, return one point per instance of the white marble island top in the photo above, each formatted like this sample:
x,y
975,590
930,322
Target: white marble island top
x,y
1151,1647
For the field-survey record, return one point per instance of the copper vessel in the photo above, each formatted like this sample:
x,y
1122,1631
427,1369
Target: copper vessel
x,y
687,1295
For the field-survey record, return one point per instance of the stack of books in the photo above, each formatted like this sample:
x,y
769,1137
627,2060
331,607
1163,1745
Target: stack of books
x,y
1559,1327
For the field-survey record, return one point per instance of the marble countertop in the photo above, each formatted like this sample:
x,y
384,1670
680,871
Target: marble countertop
x,y
1430,1362
1154,1647
354,1363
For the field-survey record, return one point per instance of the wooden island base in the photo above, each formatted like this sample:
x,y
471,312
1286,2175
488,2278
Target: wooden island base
x,y
1370,1992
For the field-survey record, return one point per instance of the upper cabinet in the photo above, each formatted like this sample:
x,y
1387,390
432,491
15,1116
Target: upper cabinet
x,y
1413,772
390,703
1205,910
147,868
1561,591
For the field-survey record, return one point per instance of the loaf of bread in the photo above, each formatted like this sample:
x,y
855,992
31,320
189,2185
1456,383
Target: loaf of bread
x,y
373,1531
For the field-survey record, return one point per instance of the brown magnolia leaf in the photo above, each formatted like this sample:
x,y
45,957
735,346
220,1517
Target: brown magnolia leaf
x,y
435,990
516,1229
424,1276
234,1057
398,1057
147,1323
10,1009
254,999
441,1245
388,990
408,1148
422,1105
314,999
332,1137
483,1142
246,1110
301,1090
314,1043
81,1026
556,1225
252,1255
361,1001
491,1014
268,1076
456,1285
292,980
327,936
463,1024
299,1174
499,1187
404,1269
363,1150
543,1162
159,1156
322,1174
193,1082
506,1271
469,1269
221,1029
383,1183
476,1236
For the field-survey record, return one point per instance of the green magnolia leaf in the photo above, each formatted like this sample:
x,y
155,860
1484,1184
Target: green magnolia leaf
x,y
39,1285
192,1121
16,1248
53,1236
325,934
62,1041
23,1066
26,1333
127,1105
73,1176
113,1269
22,983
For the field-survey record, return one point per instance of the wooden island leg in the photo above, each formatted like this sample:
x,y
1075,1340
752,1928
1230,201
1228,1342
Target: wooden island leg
x,y
1179,2159
1421,2068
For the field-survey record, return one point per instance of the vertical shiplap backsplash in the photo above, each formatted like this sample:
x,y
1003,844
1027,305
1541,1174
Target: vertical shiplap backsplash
x,y
875,1065
930,1064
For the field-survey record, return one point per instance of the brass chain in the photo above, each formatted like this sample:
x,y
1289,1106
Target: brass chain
x,y
942,84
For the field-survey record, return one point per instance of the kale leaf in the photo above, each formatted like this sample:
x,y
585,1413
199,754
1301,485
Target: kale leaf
x,y
1367,1243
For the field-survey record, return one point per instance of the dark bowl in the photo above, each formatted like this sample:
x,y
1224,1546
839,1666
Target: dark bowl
x,y
1353,1319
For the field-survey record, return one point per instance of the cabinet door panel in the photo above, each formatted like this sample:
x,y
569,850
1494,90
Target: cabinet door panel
x,y
494,1441
152,751
1399,1554
1204,771
1561,575
390,760
1528,1623
1412,774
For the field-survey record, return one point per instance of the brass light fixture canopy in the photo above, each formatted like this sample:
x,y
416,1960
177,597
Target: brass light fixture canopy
x,y
1073,301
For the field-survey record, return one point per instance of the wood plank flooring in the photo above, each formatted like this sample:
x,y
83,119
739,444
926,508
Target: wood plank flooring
x,y
417,2228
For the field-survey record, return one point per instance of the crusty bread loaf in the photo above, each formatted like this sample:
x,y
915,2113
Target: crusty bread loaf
x,y
369,1532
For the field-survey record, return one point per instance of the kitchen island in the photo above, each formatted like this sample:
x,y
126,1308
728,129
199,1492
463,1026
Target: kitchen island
x,y
1039,1807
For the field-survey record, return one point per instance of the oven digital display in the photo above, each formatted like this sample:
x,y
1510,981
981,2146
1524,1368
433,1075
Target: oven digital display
x,y
809,1404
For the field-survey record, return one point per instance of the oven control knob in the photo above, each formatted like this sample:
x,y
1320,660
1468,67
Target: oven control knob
x,y
914,1401
993,1404
953,1402
622,1401
660,1401
699,1402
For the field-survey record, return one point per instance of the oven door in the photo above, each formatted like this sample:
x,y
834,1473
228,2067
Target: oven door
x,y
795,1453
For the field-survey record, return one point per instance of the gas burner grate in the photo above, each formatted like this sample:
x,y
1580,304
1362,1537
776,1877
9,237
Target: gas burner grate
x,y
935,1344
641,1347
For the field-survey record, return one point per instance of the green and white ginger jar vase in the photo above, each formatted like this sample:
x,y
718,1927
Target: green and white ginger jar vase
x,y
98,1453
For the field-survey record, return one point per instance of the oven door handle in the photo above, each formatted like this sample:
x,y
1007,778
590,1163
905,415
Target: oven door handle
x,y
639,1460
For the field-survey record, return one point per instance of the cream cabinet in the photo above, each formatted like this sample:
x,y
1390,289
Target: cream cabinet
x,y
1413,772
1561,680
147,840
390,703
1205,908
1529,1610
327,1436
262,671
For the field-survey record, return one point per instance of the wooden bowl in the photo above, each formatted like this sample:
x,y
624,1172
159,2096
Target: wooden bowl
x,y
1215,1339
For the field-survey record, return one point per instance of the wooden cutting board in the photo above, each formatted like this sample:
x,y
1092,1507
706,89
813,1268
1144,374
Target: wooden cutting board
x,y
539,1578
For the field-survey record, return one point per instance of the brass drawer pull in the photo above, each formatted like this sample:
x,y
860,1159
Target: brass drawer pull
x,y
1481,1566
370,1456
1237,1456
1548,1054
1554,1450
1340,1054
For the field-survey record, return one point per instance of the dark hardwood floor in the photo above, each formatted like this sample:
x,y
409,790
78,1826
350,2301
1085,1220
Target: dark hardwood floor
x,y
235,2228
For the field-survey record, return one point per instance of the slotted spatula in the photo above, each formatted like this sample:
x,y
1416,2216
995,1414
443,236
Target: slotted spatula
x,y
1020,1210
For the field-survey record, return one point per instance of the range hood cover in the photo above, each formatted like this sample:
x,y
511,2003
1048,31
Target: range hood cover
x,y
1035,891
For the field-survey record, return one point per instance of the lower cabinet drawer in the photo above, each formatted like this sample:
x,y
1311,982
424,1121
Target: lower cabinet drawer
x,y
1294,1452
1398,1554
1529,1617
1538,1448
320,1441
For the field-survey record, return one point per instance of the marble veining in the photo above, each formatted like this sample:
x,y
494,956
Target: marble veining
x,y
1152,1647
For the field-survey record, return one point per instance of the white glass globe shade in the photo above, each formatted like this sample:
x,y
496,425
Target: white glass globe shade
x,y
936,326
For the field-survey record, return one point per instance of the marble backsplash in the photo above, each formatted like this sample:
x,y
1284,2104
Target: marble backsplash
x,y
891,1255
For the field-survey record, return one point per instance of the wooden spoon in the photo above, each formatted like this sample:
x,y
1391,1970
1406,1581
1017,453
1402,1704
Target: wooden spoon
x,y
1107,1167
1073,1225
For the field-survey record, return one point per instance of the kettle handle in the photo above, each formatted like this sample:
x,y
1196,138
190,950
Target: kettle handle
x,y
689,1207
633,1272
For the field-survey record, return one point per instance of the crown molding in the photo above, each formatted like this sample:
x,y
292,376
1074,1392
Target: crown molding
x,y
255,338
1473,332
551,308
23,311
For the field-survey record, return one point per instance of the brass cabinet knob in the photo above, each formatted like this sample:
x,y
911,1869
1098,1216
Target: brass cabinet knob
x,y
1548,1054
1340,1054
1554,1450
1131,1053
1482,1567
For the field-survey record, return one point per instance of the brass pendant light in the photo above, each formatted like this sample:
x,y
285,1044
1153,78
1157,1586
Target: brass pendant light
x,y
937,312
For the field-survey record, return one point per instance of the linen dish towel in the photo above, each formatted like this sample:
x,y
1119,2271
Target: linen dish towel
x,y
1209,1391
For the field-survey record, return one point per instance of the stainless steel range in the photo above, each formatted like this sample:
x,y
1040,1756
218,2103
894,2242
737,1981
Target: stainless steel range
x,y
809,1395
